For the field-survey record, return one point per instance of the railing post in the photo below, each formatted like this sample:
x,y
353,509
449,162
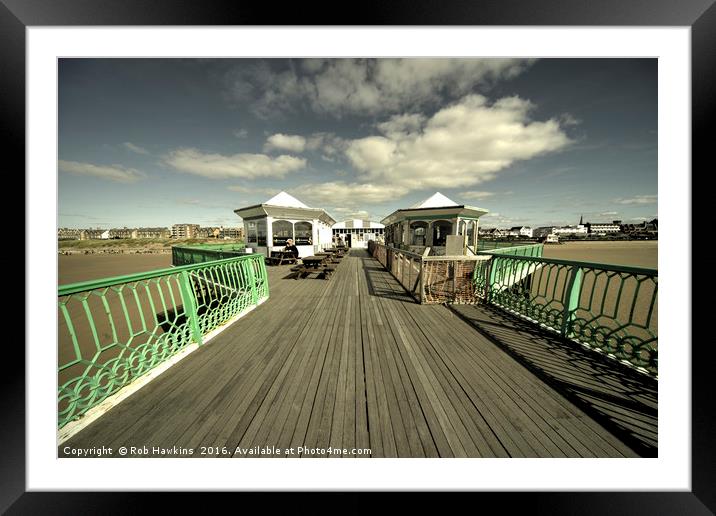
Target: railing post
x,y
410,273
252,281
454,280
190,308
490,278
571,299
422,280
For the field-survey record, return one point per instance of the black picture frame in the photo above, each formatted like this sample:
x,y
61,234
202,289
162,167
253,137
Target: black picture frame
x,y
700,15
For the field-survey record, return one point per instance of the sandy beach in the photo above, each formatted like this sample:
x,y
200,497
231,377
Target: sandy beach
x,y
84,267
639,253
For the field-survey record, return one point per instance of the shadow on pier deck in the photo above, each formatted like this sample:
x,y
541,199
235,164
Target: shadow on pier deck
x,y
354,362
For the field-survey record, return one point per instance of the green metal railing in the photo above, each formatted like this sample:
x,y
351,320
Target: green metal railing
x,y
489,245
609,308
192,254
114,330
230,246
481,277
519,250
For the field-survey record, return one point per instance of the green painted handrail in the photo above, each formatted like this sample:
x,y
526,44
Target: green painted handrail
x,y
114,330
598,265
234,246
71,288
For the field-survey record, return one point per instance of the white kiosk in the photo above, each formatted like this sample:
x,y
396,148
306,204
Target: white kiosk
x,y
430,222
269,225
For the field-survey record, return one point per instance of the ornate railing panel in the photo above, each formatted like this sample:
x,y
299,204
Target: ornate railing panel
x,y
609,308
112,331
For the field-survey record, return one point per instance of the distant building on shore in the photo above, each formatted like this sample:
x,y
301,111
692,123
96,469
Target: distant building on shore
x,y
358,232
185,231
121,233
542,231
493,233
69,234
603,228
207,232
520,231
152,233
650,228
231,233
176,231
578,230
94,234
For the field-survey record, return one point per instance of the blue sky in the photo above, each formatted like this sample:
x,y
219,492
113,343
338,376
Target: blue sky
x,y
154,142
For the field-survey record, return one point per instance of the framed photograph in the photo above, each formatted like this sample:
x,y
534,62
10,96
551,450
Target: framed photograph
x,y
392,232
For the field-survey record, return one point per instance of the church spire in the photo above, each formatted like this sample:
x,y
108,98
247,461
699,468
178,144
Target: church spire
x,y
581,220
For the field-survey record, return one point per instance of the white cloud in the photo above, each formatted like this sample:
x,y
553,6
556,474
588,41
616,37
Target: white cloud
x,y
241,133
116,173
294,143
609,213
270,192
639,199
351,213
464,144
366,86
341,193
476,195
135,148
218,166
239,188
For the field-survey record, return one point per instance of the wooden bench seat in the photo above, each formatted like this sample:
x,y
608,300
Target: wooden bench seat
x,y
302,271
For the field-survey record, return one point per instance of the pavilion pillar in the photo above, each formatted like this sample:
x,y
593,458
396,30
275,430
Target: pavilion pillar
x,y
269,232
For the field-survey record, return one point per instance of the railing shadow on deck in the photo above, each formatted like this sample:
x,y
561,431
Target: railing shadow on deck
x,y
381,283
619,398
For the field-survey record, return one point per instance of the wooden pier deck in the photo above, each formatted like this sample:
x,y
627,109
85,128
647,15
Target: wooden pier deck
x,y
353,362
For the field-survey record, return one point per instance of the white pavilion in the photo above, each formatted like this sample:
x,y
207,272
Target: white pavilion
x,y
428,224
269,225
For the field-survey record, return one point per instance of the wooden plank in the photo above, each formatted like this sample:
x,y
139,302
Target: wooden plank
x,y
372,414
362,436
348,439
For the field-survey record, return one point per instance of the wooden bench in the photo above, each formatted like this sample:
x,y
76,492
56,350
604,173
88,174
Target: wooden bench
x,y
278,258
303,272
